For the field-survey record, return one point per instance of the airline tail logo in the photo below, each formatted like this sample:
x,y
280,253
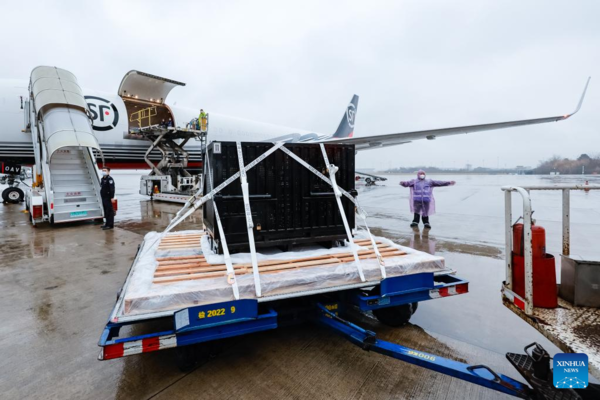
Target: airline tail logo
x,y
350,114
105,115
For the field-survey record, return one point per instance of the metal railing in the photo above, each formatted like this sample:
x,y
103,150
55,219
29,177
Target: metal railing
x,y
526,304
143,114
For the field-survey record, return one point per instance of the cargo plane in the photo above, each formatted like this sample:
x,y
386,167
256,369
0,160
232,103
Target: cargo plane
x,y
115,128
110,114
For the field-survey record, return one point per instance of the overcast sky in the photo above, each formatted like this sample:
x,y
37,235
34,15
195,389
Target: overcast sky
x,y
415,65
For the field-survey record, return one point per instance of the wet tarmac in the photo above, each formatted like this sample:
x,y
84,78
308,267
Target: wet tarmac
x,y
468,230
58,285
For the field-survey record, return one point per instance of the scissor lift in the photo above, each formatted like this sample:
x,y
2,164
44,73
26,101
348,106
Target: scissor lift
x,y
170,179
150,118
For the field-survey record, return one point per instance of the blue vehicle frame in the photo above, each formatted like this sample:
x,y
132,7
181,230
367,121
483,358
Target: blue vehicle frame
x,y
212,322
251,316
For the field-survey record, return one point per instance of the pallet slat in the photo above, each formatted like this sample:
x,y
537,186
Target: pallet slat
x,y
266,269
185,262
261,268
182,261
219,270
192,267
176,258
172,239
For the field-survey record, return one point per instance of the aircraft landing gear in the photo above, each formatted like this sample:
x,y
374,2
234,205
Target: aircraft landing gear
x,y
13,195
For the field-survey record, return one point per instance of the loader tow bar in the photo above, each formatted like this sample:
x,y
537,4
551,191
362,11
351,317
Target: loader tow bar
x,y
477,374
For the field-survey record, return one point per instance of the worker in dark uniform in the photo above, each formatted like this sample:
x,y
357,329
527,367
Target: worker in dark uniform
x,y
107,192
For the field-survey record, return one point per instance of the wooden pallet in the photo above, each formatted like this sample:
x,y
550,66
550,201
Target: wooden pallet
x,y
183,268
178,241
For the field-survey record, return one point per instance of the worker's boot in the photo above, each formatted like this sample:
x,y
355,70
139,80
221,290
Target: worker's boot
x,y
426,222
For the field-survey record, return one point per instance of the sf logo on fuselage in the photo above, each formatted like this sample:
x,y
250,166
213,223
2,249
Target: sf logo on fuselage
x,y
350,114
104,113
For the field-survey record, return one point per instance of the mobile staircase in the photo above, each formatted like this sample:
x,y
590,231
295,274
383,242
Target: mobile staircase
x,y
65,185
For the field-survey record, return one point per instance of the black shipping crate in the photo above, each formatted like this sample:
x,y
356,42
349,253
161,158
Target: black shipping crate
x,y
289,203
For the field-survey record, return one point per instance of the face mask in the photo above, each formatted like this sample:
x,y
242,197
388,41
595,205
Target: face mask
x,y
422,176
104,173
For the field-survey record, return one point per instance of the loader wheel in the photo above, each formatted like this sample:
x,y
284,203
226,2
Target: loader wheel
x,y
395,316
192,356
414,307
13,195
186,358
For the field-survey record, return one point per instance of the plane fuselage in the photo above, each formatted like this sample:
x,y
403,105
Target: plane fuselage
x,y
111,122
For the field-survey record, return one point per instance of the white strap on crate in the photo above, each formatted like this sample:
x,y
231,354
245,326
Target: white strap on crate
x,y
361,213
249,223
332,169
194,202
359,210
317,173
198,203
230,271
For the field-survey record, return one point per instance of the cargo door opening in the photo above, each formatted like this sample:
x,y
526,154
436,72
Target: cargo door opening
x,y
144,96
142,114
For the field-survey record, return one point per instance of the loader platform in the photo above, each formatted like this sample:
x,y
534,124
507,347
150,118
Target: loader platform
x,y
572,329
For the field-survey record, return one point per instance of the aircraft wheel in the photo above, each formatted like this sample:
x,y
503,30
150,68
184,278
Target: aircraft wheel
x,y
395,316
368,181
13,195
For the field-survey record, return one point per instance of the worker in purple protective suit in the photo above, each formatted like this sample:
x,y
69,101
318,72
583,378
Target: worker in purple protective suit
x,y
422,202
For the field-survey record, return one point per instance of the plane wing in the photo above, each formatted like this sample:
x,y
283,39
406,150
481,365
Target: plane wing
x,y
394,139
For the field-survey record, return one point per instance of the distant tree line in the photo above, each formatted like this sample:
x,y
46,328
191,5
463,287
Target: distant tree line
x,y
564,166
465,170
583,163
